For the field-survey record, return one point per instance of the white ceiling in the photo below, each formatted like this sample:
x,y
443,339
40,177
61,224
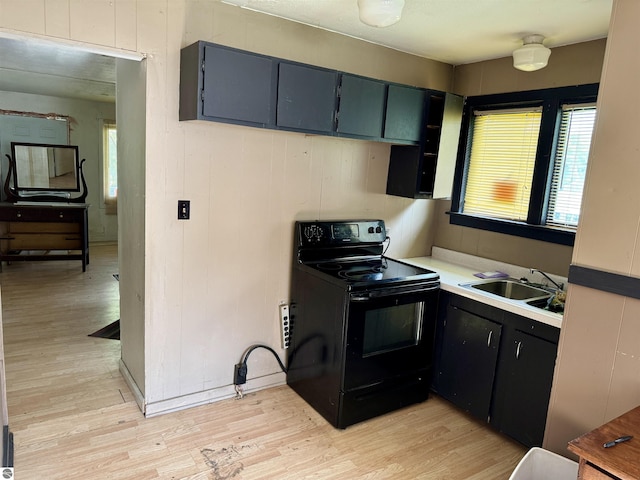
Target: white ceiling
x,y
49,69
452,31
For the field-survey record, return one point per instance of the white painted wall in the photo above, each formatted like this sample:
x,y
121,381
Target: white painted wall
x,y
85,131
131,216
202,290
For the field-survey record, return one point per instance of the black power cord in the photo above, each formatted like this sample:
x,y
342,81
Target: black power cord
x,y
240,369
388,240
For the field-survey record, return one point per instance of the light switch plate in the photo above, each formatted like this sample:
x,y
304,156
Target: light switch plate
x,y
184,209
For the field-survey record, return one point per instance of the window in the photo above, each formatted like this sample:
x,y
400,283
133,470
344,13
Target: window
x,y
570,167
500,171
110,167
522,162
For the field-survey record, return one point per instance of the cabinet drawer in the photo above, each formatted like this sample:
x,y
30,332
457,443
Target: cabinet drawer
x,y
45,241
589,472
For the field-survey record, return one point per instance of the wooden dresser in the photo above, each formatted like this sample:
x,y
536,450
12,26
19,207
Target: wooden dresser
x,y
44,231
621,461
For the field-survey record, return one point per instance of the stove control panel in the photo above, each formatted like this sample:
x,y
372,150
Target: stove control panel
x,y
341,232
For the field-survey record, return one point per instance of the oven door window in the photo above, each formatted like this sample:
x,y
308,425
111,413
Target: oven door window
x,y
388,337
392,328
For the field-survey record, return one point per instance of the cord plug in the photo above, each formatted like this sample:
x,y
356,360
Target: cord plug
x,y
240,374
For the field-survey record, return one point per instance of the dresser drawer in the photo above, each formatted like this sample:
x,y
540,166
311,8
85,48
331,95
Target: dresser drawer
x,y
15,228
33,232
41,215
44,241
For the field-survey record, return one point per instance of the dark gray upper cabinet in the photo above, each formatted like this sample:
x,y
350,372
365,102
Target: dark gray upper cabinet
x,y
224,84
306,98
361,108
405,111
412,169
239,86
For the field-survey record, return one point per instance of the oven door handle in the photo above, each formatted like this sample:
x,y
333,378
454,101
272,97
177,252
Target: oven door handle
x,y
389,292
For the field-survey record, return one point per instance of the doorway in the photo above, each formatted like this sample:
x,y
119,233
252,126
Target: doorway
x,y
19,91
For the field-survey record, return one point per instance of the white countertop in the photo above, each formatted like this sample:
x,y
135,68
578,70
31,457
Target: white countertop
x,y
452,275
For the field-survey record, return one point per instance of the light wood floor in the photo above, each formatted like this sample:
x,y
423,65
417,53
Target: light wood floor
x,y
73,416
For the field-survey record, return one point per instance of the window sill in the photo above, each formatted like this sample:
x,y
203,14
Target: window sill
x,y
519,229
110,208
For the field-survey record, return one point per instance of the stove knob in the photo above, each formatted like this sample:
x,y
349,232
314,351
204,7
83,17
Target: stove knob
x,y
370,229
378,229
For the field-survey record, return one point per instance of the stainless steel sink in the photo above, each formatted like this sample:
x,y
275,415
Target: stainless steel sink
x,y
547,304
511,289
518,291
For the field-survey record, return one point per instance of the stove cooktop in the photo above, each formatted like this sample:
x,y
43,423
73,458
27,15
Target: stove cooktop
x,y
373,270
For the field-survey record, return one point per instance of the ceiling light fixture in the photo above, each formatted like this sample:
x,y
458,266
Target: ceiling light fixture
x,y
533,55
380,13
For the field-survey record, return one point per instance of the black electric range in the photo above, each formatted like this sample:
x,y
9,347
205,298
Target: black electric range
x,y
362,324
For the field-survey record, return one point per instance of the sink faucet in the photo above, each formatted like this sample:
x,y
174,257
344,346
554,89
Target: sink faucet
x,y
559,285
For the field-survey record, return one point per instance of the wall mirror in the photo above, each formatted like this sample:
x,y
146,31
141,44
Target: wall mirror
x,y
45,172
46,167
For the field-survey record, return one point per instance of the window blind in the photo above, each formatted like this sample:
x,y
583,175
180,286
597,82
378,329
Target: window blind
x,y
570,165
501,163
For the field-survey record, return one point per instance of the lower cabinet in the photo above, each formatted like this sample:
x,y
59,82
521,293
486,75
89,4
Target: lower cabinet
x,y
468,361
496,365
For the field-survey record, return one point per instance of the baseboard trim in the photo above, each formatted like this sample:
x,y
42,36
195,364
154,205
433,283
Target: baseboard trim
x,y
213,395
137,393
152,409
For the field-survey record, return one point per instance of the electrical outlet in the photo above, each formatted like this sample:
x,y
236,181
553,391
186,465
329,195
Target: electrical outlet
x,y
184,209
285,324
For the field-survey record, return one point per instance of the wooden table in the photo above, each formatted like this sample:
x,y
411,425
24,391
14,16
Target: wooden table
x,y
621,461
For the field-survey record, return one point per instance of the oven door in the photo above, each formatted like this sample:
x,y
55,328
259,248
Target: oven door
x,y
390,334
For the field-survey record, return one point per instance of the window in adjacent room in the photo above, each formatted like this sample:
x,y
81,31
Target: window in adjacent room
x,y
522,165
110,167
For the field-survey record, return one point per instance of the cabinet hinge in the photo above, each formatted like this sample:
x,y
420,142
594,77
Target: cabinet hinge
x,y
202,66
202,95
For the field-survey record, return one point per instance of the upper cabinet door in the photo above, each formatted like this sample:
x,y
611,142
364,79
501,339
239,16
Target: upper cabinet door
x,y
405,111
361,109
306,98
448,146
238,85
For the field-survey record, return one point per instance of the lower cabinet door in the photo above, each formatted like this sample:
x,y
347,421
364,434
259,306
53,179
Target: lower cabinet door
x,y
523,387
467,363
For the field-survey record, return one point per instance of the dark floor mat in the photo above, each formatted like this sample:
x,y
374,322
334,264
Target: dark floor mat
x,y
111,331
